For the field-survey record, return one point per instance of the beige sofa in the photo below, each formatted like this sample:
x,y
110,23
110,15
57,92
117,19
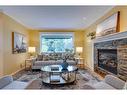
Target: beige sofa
x,y
52,59
39,64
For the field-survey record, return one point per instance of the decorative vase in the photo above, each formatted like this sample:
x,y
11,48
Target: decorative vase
x,y
64,64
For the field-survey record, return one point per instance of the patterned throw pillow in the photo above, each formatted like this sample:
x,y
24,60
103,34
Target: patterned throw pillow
x,y
46,57
39,57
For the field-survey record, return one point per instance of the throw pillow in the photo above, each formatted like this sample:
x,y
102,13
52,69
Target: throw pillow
x,y
46,58
39,57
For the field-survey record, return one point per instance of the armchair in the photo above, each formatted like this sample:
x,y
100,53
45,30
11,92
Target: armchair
x,y
109,82
7,82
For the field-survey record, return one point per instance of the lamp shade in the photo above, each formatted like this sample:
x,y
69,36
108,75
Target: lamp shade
x,y
31,49
79,49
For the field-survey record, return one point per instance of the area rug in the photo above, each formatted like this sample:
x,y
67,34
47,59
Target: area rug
x,y
83,77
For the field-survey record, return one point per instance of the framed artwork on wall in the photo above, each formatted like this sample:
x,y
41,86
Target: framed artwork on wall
x,y
109,26
19,44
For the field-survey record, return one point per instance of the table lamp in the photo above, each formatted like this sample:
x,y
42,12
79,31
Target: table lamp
x,y
31,51
79,50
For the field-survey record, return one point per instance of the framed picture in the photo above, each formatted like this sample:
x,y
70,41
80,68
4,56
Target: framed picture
x,y
19,44
109,25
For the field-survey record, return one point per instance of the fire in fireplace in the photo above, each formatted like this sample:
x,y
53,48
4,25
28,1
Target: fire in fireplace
x,y
107,60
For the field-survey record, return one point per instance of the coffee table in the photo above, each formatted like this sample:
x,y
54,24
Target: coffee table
x,y
56,74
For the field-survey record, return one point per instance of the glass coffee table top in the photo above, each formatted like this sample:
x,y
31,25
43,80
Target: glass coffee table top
x,y
58,68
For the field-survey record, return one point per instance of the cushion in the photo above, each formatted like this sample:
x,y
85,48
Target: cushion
x,y
41,63
39,57
16,85
46,57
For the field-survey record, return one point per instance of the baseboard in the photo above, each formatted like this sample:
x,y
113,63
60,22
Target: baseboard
x,y
14,73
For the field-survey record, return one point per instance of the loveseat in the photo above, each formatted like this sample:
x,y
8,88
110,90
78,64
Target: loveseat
x,y
7,82
52,59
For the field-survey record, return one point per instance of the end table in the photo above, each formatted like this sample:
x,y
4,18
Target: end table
x,y
28,63
81,63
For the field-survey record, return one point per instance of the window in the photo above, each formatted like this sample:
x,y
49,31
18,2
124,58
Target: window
x,y
56,42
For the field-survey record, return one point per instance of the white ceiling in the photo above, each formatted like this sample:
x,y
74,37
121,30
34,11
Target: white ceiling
x,y
56,17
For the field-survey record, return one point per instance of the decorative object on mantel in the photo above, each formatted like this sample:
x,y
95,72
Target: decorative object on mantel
x,y
109,25
18,43
92,35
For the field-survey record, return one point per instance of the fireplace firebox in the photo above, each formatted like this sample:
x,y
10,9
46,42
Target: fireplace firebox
x,y
107,60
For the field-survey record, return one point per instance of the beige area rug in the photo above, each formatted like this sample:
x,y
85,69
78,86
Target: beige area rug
x,y
83,77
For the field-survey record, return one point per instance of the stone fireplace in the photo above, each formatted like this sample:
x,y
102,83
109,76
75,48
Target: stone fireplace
x,y
110,55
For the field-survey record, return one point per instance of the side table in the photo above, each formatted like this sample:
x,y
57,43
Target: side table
x,y
28,63
81,63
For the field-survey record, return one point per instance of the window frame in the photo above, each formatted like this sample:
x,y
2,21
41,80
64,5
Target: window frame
x,y
57,33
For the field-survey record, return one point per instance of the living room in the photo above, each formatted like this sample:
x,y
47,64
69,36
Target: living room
x,y
63,37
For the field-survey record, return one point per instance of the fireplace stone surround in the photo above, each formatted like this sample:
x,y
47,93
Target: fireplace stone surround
x,y
110,55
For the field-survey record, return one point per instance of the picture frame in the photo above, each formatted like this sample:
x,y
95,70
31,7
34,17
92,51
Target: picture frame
x,y
19,44
109,26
